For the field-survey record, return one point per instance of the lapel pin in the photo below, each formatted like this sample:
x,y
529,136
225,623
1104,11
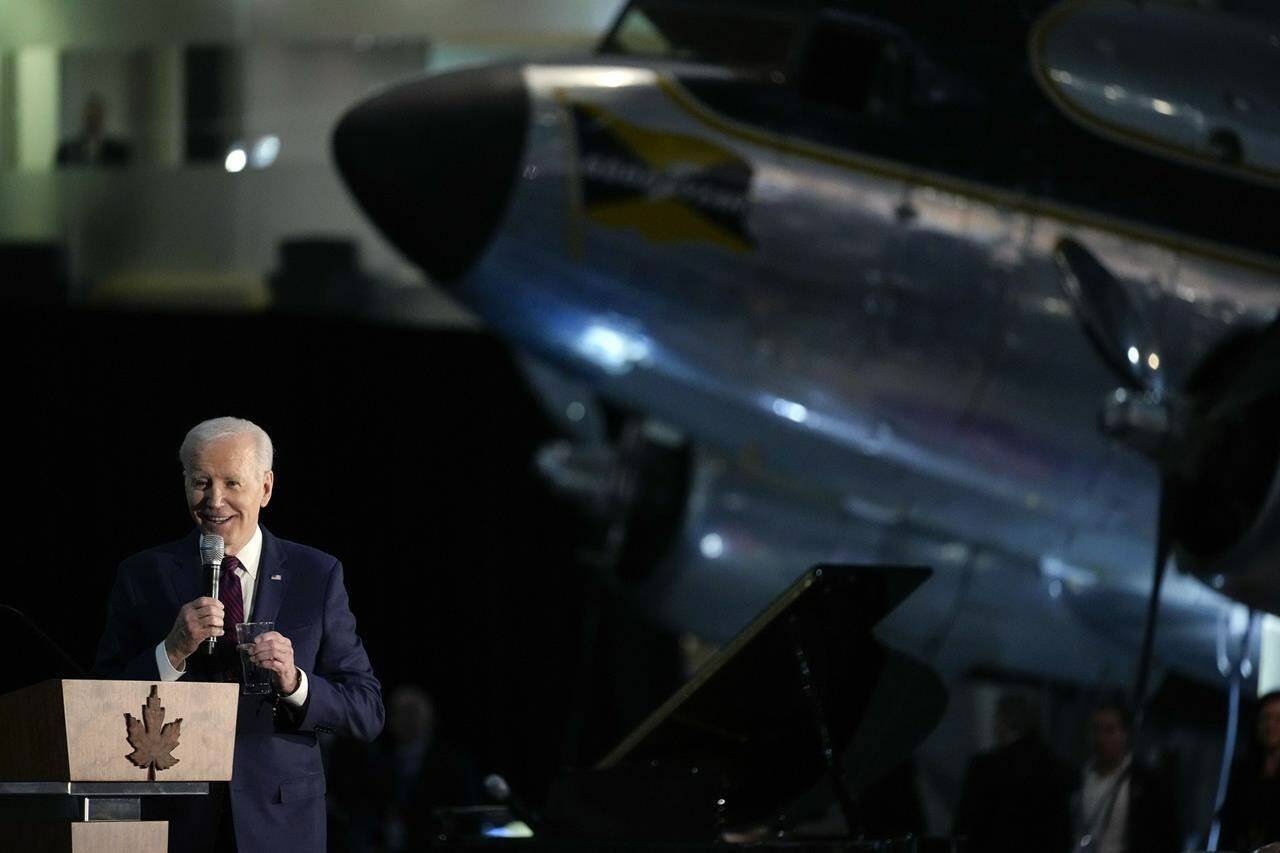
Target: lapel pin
x,y
275,577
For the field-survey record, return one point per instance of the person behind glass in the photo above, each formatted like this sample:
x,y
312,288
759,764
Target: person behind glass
x,y
1122,806
92,146
321,676
1015,797
1251,811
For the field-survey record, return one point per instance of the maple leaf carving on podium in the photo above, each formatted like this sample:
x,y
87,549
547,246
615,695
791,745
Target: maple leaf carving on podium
x,y
152,739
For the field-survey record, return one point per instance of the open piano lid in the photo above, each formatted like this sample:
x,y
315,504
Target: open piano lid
x,y
748,734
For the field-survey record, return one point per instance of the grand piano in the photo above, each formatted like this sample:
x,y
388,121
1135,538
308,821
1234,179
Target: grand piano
x,y
804,707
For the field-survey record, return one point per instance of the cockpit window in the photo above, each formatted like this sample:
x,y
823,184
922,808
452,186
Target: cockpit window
x,y
737,35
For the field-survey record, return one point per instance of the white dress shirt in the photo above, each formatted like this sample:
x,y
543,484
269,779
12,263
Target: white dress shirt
x,y
1097,788
250,557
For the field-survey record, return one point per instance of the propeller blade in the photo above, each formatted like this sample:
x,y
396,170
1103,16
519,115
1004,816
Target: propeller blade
x,y
1112,320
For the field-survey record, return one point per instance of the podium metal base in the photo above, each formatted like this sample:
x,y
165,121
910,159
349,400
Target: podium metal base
x,y
85,817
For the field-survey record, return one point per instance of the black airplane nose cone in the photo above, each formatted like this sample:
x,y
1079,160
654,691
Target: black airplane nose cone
x,y
433,162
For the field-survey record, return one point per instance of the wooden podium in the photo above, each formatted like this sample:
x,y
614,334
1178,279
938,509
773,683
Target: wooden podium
x,y
77,756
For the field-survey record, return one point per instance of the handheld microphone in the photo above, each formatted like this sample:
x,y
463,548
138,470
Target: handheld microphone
x,y
211,550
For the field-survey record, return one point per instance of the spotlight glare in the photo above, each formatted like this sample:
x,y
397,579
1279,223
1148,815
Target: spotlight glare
x,y
265,151
236,160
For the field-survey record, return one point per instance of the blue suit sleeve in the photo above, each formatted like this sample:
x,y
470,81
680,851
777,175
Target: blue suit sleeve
x,y
343,696
124,652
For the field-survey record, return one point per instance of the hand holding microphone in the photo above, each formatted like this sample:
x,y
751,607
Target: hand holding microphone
x,y
201,620
198,621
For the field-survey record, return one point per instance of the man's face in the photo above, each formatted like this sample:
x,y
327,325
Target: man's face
x,y
226,487
1269,726
1110,738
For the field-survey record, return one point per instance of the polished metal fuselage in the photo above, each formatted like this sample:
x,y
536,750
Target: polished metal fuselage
x,y
876,362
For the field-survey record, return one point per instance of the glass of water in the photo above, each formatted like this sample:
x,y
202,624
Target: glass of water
x,y
255,678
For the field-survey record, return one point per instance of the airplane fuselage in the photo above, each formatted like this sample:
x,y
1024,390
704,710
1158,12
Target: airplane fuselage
x,y
856,313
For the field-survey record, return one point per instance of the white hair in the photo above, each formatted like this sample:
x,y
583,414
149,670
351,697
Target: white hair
x,y
215,429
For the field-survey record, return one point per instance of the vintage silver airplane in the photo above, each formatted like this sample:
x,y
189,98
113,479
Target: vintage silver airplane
x,y
986,289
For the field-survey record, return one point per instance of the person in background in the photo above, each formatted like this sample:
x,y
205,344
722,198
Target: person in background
x,y
1251,812
1015,797
92,146
386,792
1122,806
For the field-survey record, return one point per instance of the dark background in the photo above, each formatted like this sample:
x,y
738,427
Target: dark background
x,y
406,453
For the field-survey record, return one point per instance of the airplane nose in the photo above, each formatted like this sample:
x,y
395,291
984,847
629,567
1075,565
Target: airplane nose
x,y
433,162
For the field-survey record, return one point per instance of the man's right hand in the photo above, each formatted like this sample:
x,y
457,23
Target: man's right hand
x,y
197,621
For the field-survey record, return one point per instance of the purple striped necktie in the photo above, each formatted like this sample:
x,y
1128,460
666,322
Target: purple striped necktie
x,y
230,596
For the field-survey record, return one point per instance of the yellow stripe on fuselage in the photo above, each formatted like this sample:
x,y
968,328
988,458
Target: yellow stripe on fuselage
x,y
665,221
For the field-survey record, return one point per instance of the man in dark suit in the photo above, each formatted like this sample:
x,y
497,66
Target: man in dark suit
x,y
92,146
1015,797
321,677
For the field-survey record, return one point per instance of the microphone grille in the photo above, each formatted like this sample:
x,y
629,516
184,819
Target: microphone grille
x,y
212,548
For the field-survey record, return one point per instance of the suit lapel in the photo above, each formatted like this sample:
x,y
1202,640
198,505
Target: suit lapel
x,y
272,581
187,579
